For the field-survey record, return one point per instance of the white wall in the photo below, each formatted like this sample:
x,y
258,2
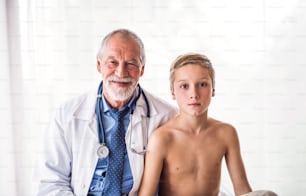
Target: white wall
x,y
257,48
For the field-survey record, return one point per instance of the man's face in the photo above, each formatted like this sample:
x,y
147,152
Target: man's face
x,y
120,66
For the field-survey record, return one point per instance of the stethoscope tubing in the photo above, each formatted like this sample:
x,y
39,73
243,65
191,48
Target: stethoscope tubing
x,y
101,132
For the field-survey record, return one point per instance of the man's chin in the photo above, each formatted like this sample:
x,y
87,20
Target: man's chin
x,y
120,94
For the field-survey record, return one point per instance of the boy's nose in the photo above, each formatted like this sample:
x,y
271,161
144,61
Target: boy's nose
x,y
194,93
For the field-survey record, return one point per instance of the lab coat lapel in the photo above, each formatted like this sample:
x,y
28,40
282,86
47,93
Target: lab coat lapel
x,y
86,112
87,159
140,111
88,156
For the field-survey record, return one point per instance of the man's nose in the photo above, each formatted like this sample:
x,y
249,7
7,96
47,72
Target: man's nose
x,y
121,70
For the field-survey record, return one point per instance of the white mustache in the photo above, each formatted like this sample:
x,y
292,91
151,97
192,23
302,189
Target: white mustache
x,y
118,79
120,94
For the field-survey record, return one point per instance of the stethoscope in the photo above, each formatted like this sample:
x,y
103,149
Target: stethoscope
x,y
103,150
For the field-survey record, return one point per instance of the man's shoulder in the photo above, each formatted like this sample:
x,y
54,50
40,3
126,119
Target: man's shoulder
x,y
82,104
78,99
158,102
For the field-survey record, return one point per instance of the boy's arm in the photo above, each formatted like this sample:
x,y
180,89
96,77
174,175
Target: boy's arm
x,y
153,165
235,163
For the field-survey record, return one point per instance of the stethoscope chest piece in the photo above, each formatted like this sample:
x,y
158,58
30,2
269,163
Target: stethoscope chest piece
x,y
103,151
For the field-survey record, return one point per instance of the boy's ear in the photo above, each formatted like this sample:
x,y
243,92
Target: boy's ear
x,y
213,92
172,94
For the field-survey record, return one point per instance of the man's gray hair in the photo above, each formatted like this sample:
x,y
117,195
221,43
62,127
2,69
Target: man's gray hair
x,y
125,33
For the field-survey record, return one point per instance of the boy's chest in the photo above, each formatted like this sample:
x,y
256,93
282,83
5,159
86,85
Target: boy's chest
x,y
194,156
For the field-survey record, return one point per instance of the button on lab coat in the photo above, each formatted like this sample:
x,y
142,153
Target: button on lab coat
x,y
70,146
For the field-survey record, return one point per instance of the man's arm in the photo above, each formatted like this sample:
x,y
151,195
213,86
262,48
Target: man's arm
x,y
153,165
235,163
53,173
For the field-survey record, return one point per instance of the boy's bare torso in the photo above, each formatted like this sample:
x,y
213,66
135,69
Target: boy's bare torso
x,y
192,165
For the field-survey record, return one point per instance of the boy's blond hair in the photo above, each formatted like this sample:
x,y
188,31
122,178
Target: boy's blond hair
x,y
191,59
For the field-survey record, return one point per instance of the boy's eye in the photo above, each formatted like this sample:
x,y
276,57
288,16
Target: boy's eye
x,y
184,86
203,84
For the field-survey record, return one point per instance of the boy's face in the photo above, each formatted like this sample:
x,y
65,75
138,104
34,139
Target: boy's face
x,y
192,88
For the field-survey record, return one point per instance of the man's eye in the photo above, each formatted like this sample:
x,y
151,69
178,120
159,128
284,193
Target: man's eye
x,y
112,63
131,65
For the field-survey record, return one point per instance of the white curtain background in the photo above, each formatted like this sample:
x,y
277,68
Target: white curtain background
x,y
258,48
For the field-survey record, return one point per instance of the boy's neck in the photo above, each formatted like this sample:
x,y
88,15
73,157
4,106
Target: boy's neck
x,y
194,124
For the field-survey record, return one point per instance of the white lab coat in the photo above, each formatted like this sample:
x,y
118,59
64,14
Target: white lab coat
x,y
69,157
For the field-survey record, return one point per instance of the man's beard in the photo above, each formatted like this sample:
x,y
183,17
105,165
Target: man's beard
x,y
120,93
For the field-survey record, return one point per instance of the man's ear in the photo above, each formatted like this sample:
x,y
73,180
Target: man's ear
x,y
98,64
142,70
213,92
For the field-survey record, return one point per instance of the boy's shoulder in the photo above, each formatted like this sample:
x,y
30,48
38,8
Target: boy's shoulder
x,y
165,132
168,127
220,125
225,131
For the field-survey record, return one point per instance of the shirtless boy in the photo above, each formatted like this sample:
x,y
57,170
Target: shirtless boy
x,y
185,155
